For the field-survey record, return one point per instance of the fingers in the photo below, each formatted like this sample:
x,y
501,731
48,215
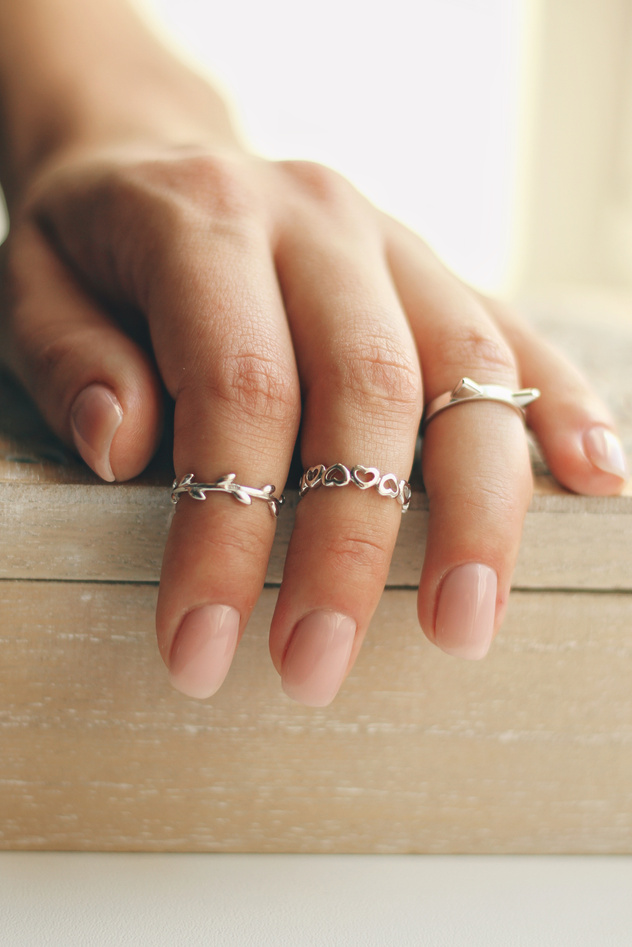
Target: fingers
x,y
573,426
189,245
475,458
362,405
94,386
225,353
185,241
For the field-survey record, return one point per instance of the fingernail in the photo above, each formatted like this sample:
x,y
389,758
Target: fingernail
x,y
95,417
317,657
466,612
203,649
605,451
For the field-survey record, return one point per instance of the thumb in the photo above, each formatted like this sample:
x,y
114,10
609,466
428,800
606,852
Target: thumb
x,y
93,385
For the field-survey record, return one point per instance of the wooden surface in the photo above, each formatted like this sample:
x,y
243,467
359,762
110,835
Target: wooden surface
x,y
49,501
527,751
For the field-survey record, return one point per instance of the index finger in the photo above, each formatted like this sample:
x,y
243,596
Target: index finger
x,y
224,350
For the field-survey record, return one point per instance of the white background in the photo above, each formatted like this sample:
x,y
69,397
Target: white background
x,y
314,901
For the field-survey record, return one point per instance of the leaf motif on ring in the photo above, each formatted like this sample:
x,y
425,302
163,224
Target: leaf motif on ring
x,y
331,476
240,494
385,490
359,475
197,494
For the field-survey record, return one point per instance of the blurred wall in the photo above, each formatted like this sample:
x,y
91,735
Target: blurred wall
x,y
575,221
501,130
414,101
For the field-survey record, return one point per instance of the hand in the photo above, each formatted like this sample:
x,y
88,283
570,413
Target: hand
x,y
259,294
261,283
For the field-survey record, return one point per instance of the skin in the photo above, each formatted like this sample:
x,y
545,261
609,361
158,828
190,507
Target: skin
x,y
271,293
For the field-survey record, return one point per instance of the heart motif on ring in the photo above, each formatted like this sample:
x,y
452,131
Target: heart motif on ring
x,y
337,476
313,475
365,477
388,491
405,494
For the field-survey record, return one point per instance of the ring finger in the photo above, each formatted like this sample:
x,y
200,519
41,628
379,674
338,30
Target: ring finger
x,y
362,406
475,457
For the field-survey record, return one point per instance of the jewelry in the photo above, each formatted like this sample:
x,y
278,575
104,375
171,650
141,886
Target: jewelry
x,y
364,478
226,484
468,390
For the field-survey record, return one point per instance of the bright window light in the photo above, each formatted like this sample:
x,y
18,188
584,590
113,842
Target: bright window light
x,y
414,101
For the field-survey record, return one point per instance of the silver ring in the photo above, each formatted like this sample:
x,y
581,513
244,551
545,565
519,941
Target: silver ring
x,y
226,484
337,475
468,390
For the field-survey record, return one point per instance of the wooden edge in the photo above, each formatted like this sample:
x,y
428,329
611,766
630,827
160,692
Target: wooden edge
x,y
100,532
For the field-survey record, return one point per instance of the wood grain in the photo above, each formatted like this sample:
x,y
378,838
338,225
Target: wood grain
x,y
528,751
48,531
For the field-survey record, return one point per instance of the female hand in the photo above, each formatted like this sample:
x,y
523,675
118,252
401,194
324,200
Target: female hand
x,y
274,293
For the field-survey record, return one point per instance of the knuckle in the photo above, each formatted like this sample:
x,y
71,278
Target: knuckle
x,y
471,346
163,211
496,502
495,499
258,387
379,374
354,553
240,543
53,358
318,183
215,184
50,355
182,192
201,182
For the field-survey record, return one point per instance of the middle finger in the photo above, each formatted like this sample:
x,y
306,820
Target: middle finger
x,y
362,405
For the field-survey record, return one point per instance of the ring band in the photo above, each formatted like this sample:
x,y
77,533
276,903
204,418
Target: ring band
x,y
337,475
226,484
467,390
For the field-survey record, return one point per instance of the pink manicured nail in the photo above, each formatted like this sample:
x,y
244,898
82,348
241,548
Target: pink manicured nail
x,y
317,657
203,650
95,417
467,607
605,451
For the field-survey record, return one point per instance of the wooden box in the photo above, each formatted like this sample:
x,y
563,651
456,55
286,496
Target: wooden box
x,y
529,750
